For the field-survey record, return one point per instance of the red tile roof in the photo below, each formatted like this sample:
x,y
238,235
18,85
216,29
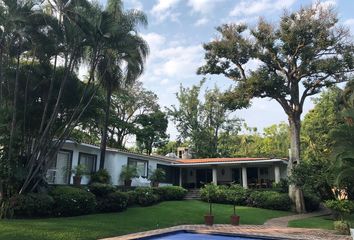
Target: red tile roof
x,y
209,160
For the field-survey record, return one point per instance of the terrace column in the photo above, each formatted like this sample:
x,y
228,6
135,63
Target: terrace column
x,y
215,175
180,177
277,174
244,177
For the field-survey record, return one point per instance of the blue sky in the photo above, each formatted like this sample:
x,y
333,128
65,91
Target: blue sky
x,y
178,28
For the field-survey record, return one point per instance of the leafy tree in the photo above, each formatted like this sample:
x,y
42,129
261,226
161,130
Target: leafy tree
x,y
151,130
128,104
343,137
123,55
201,122
304,53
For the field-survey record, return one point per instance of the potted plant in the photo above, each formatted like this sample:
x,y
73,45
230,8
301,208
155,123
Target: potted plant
x,y
79,171
233,197
209,192
157,176
127,173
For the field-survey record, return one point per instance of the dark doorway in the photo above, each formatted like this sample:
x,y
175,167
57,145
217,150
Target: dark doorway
x,y
236,175
203,176
252,174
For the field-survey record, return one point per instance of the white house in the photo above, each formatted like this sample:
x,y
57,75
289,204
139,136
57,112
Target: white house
x,y
189,173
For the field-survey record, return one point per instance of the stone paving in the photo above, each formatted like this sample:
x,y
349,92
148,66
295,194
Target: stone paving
x,y
276,227
250,230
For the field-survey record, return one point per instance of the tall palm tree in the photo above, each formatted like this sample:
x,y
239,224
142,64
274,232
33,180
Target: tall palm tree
x,y
123,55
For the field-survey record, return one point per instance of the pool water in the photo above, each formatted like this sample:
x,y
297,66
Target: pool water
x,y
198,236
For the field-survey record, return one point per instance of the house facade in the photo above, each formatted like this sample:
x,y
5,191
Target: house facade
x,y
189,173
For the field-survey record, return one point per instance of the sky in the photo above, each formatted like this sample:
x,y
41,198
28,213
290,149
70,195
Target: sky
x,y
177,30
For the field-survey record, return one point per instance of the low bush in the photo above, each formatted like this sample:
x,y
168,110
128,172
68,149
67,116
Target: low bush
x,y
269,200
132,198
168,193
101,189
32,205
340,208
312,202
112,202
145,196
71,201
342,227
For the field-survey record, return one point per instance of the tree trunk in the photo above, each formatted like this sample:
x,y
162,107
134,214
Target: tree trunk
x,y
295,193
105,127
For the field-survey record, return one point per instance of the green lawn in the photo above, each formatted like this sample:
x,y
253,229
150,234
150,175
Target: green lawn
x,y
324,222
135,219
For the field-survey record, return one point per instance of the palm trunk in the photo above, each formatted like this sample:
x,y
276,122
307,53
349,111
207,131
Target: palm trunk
x,y
105,127
295,193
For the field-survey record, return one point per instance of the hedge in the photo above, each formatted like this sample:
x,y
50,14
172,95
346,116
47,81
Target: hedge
x,y
71,201
112,202
32,205
168,193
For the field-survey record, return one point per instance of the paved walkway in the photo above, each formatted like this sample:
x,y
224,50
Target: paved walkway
x,y
276,227
283,221
250,230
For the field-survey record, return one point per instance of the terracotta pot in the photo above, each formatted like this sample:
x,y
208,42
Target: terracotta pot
x,y
209,220
235,220
128,183
77,180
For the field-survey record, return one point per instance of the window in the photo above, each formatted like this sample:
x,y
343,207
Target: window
x,y
141,166
263,172
89,160
58,172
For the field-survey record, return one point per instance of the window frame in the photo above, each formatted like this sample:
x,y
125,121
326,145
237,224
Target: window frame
x,y
90,155
146,162
70,165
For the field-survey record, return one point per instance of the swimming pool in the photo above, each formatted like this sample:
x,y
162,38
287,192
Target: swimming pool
x,y
184,235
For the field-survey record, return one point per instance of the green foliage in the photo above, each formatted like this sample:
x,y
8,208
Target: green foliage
x,y
101,176
269,200
80,170
237,195
145,196
157,175
32,205
132,198
312,201
101,189
201,122
151,130
112,202
128,172
169,193
70,201
341,208
342,227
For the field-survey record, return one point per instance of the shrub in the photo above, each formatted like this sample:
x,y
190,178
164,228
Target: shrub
x,y
341,208
132,197
237,194
101,176
70,201
342,227
312,202
101,189
213,193
32,205
170,193
113,202
145,196
269,200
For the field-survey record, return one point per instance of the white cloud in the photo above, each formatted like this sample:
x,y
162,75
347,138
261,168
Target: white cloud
x,y
203,6
325,4
201,21
163,10
164,81
136,4
256,7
